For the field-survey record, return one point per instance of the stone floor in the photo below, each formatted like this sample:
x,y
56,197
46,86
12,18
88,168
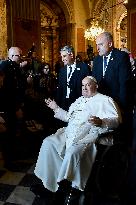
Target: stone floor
x,y
15,185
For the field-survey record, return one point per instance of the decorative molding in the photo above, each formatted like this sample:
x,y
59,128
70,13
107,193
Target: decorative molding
x,y
48,17
68,8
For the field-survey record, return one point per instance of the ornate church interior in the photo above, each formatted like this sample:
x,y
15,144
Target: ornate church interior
x,y
43,27
52,24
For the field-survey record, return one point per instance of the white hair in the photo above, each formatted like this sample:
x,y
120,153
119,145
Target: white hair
x,y
92,78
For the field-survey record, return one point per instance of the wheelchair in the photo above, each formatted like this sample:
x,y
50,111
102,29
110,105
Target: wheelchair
x,y
106,183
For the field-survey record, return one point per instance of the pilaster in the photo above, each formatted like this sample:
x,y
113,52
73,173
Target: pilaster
x,y
3,30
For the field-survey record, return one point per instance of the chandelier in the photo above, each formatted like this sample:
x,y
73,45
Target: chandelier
x,y
92,32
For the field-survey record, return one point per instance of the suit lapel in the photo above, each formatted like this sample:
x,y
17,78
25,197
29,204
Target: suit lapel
x,y
111,59
110,63
74,74
64,75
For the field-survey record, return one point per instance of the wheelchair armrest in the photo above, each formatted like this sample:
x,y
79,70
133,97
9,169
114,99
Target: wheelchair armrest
x,y
106,138
110,137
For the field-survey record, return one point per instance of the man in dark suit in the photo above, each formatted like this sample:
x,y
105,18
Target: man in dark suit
x,y
114,78
13,92
70,78
112,70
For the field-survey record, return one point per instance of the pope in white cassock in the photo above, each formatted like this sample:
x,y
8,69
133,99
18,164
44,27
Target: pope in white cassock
x,y
70,152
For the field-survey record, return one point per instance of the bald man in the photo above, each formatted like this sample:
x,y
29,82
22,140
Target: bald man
x,y
14,54
13,90
112,70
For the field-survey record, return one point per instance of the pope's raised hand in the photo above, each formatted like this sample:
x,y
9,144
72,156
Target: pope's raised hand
x,y
51,104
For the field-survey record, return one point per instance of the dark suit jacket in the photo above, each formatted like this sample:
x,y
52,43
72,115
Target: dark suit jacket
x,y
75,84
117,80
14,83
13,92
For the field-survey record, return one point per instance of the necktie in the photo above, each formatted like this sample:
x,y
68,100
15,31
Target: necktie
x,y
70,71
105,63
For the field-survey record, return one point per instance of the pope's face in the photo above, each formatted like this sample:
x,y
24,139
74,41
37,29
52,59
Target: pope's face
x,y
66,57
104,46
89,87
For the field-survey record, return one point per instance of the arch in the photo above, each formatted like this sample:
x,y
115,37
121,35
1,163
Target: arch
x,y
53,31
123,15
121,34
67,6
110,15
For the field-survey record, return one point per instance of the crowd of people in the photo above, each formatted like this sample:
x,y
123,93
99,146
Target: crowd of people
x,y
79,103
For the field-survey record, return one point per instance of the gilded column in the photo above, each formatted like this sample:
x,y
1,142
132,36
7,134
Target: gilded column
x,y
3,30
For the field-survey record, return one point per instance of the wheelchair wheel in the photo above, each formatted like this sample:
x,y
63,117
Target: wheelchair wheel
x,y
112,170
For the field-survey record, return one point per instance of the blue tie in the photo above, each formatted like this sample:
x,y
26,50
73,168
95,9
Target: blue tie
x,y
105,63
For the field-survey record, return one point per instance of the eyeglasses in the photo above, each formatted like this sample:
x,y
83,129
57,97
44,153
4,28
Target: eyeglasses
x,y
16,55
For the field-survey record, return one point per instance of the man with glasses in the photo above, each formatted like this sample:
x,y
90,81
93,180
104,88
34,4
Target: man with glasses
x,y
12,90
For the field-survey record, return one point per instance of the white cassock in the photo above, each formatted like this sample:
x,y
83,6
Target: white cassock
x,y
70,152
